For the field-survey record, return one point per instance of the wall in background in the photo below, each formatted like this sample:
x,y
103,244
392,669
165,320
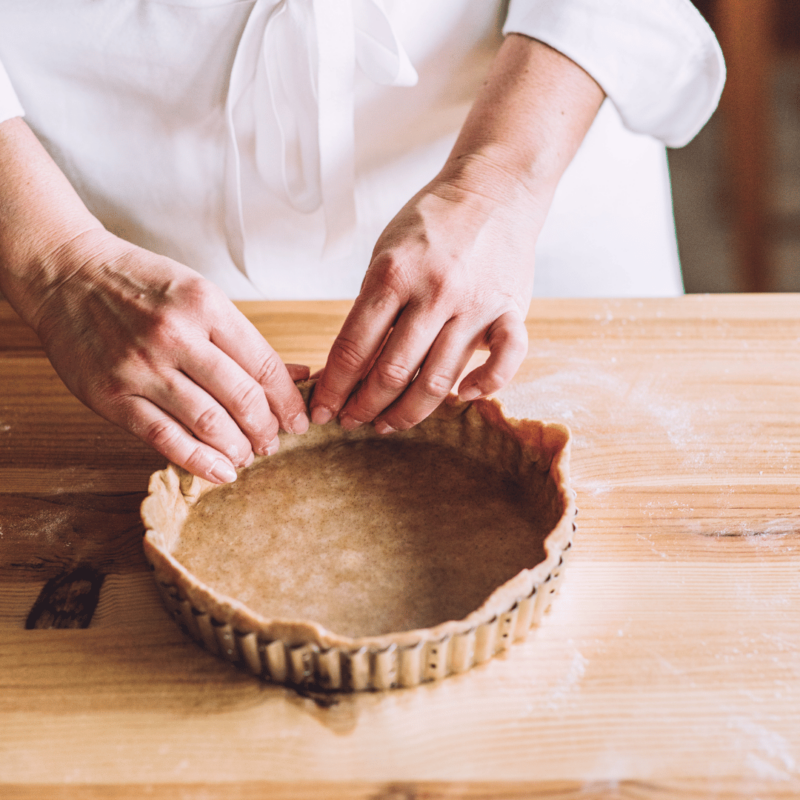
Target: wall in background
x,y
703,183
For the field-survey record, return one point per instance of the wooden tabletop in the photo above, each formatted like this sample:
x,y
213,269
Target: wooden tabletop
x,y
668,667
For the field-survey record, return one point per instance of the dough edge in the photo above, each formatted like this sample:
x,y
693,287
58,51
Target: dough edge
x,y
545,444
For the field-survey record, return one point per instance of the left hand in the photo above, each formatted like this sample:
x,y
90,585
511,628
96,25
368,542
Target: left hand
x,y
451,273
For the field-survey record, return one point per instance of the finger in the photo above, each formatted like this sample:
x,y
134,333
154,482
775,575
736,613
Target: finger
x,y
298,372
357,344
236,391
197,410
245,345
446,359
507,340
171,439
394,369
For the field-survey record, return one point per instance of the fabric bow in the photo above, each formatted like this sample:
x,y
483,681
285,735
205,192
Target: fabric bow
x,y
296,64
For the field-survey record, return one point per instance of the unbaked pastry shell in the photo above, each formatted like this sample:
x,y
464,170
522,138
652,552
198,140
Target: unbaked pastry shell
x,y
302,652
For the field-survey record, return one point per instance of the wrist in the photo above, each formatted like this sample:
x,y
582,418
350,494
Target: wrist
x,y
29,279
526,124
494,173
71,268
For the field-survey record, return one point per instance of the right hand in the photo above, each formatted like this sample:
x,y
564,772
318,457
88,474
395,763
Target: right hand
x,y
158,350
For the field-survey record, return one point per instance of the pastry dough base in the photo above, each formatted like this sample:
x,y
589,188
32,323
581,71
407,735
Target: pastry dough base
x,y
366,537
352,561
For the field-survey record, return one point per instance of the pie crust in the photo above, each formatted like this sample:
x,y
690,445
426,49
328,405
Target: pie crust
x,y
353,561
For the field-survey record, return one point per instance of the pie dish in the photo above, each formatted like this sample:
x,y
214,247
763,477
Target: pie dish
x,y
353,561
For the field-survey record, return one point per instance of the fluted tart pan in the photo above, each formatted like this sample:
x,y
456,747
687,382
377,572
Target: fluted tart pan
x,y
354,561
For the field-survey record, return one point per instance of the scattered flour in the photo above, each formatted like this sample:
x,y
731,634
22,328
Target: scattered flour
x,y
561,691
770,754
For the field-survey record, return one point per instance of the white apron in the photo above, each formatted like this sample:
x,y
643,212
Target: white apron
x,y
266,144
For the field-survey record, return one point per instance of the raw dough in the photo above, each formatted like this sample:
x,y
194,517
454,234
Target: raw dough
x,y
366,537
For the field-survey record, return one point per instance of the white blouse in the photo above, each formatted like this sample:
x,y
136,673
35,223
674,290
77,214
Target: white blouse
x,y
266,143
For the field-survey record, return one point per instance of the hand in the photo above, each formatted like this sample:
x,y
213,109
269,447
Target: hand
x,y
452,272
153,347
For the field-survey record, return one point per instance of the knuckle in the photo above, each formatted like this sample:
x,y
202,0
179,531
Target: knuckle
x,y
435,384
200,294
347,356
197,460
268,370
390,275
396,281
247,398
175,323
509,331
162,435
391,377
439,288
516,340
210,423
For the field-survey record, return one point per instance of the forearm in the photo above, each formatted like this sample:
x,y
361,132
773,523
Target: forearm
x,y
526,124
40,213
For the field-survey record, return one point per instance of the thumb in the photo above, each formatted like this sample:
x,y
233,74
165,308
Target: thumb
x,y
507,340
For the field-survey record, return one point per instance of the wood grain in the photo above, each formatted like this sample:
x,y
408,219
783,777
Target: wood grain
x,y
669,666
425,790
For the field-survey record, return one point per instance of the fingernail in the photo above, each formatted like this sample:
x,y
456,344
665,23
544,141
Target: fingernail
x,y
383,427
299,424
470,393
321,415
273,447
348,423
223,471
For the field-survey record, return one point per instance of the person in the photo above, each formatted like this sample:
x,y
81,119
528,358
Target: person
x,y
159,157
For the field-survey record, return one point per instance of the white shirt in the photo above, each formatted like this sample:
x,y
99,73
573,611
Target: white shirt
x,y
266,144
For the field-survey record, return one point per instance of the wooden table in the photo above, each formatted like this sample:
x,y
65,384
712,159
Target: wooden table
x,y
669,666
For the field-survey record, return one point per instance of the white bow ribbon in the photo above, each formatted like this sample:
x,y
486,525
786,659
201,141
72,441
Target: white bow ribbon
x,y
299,59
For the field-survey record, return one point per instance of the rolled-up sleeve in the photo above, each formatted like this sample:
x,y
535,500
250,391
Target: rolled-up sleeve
x,y
658,61
9,102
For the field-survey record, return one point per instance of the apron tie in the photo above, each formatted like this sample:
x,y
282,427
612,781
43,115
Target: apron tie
x,y
295,67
